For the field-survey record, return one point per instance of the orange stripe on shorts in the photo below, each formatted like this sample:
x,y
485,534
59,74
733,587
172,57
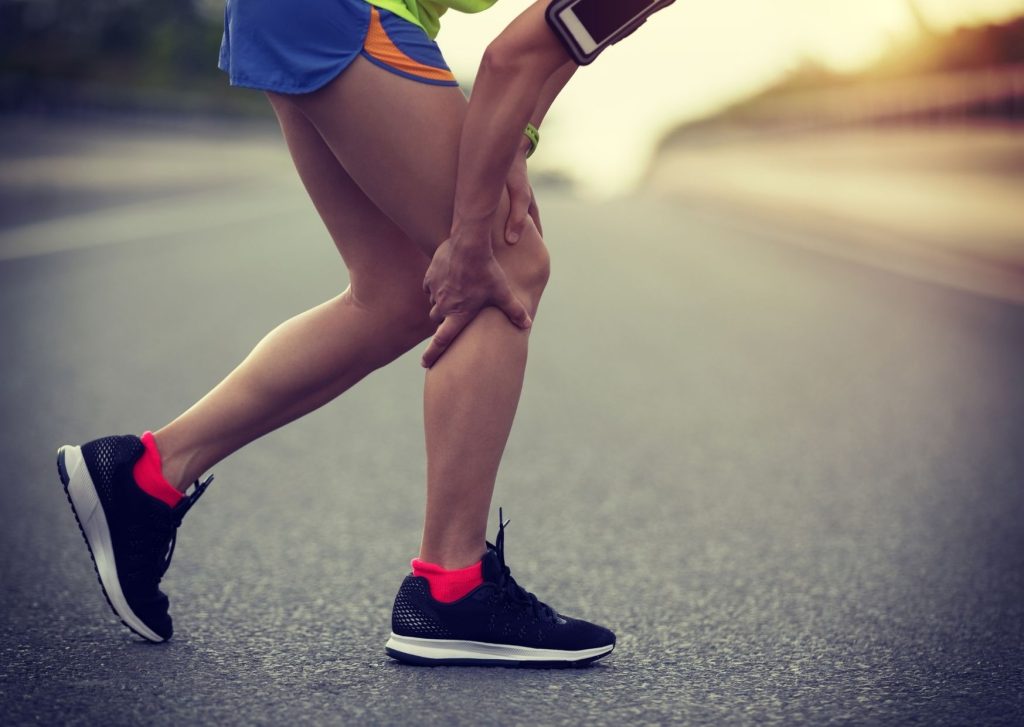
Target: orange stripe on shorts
x,y
381,47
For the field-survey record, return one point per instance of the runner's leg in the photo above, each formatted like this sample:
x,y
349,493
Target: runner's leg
x,y
312,358
399,141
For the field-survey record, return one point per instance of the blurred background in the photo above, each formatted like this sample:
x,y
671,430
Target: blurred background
x,y
896,116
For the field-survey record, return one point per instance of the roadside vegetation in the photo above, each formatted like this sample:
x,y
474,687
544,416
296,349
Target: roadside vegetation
x,y
115,53
963,75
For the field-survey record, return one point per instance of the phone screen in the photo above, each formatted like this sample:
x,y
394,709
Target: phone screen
x,y
603,18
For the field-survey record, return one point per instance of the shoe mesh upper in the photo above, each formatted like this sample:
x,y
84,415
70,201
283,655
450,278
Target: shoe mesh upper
x,y
409,617
108,459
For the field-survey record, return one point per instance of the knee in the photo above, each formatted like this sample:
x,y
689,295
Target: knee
x,y
528,267
536,277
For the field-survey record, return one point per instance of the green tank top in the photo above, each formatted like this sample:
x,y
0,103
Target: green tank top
x,y
427,13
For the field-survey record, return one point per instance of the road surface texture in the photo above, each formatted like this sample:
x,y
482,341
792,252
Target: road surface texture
x,y
794,485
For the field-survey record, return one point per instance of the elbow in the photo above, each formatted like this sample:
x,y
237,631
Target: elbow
x,y
500,60
505,64
526,50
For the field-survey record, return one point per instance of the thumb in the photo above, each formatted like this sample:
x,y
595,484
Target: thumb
x,y
519,208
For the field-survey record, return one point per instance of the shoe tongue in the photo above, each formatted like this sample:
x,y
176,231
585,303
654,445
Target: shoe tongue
x,y
190,497
490,568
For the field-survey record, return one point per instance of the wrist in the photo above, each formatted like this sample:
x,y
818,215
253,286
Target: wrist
x,y
469,220
532,134
472,233
525,146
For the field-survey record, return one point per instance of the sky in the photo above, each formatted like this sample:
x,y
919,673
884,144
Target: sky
x,y
691,59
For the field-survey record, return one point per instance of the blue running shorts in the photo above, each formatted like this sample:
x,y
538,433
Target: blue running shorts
x,y
298,46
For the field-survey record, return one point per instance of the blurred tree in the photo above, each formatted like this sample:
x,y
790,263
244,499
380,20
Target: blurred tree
x,y
146,42
962,49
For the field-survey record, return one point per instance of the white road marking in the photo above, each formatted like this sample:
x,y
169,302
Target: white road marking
x,y
166,217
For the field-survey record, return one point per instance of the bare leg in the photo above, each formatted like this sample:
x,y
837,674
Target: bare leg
x,y
472,393
314,357
469,402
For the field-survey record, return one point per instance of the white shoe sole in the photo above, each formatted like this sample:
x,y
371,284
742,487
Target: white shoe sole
x,y
476,653
92,521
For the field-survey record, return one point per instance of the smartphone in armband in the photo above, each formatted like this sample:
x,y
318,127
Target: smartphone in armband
x,y
587,27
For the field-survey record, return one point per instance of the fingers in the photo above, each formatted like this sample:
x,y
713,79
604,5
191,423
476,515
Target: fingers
x,y
443,338
435,314
519,208
512,307
452,326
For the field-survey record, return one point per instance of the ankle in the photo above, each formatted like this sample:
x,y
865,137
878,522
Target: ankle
x,y
448,585
149,476
174,463
452,557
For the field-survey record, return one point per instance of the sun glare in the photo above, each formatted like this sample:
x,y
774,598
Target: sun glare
x,y
696,57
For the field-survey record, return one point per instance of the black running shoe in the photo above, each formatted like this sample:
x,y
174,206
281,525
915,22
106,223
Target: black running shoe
x,y
130,534
499,623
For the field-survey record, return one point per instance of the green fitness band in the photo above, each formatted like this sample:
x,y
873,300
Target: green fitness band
x,y
531,132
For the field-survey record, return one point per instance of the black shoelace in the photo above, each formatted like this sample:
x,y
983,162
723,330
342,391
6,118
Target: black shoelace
x,y
508,584
168,530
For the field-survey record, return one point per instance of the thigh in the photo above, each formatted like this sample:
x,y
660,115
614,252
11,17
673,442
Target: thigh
x,y
399,140
382,261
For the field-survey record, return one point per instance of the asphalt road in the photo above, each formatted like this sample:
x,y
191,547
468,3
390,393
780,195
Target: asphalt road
x,y
792,484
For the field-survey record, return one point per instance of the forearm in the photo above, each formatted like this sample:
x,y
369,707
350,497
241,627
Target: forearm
x,y
474,206
502,103
550,91
522,72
